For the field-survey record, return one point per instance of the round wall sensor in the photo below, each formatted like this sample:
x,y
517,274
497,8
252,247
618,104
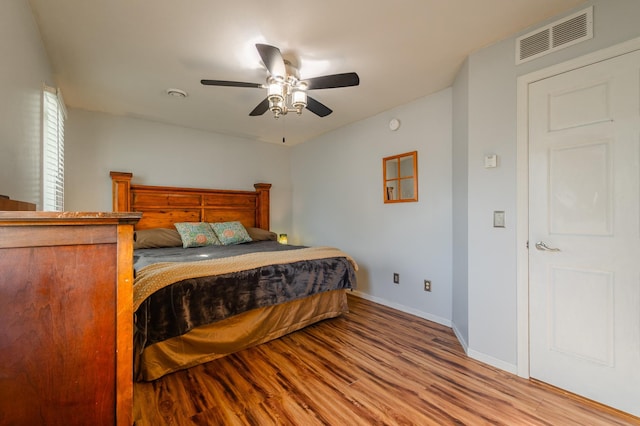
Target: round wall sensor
x,y
394,124
177,93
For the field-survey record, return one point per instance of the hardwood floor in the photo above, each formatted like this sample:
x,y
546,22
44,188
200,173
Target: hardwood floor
x,y
374,365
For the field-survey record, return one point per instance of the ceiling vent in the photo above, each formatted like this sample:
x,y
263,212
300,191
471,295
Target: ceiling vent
x,y
555,36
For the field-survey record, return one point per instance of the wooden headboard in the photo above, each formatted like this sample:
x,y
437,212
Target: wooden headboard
x,y
162,206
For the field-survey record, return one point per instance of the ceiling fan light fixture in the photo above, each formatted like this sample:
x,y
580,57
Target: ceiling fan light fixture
x,y
298,100
277,107
275,92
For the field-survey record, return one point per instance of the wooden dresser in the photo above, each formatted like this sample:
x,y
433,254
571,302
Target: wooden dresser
x,y
66,318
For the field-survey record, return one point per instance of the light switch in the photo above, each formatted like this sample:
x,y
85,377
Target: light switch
x,y
490,161
498,219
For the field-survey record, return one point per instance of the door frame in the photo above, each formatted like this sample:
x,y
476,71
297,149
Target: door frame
x,y
522,179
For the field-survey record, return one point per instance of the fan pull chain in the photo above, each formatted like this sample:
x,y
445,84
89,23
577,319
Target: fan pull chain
x,y
284,130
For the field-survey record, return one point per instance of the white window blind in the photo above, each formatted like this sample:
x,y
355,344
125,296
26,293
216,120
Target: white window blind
x,y
53,115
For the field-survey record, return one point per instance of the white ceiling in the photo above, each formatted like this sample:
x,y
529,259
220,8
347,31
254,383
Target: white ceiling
x,y
120,56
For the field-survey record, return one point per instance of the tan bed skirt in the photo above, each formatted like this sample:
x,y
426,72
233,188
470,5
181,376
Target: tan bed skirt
x,y
224,337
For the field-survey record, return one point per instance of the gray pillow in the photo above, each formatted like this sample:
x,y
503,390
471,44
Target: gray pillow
x,y
258,234
156,238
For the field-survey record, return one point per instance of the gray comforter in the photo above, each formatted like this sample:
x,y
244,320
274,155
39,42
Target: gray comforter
x,y
144,257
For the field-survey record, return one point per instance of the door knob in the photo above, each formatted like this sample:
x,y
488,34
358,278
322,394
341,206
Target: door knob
x,y
540,245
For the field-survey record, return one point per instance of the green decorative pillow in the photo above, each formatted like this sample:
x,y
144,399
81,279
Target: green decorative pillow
x,y
231,233
196,234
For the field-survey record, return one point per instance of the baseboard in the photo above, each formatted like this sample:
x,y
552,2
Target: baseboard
x,y
463,342
494,362
403,308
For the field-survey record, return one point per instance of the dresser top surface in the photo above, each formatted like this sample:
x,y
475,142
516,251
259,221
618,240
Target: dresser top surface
x,y
14,218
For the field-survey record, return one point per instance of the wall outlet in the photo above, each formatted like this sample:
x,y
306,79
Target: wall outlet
x,y
396,278
427,285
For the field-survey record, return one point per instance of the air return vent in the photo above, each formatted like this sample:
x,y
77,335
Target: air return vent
x,y
555,36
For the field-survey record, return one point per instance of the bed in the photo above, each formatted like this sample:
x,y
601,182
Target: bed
x,y
193,305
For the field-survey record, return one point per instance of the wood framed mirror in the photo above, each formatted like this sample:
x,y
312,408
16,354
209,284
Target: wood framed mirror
x,y
400,178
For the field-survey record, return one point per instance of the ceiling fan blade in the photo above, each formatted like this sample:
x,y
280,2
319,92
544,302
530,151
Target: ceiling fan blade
x,y
230,83
318,108
261,108
333,81
272,59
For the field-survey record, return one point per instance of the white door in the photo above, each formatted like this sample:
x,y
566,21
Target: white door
x,y
584,174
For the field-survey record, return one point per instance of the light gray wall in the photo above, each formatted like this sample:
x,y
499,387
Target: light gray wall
x,y
460,188
338,201
160,154
24,66
492,102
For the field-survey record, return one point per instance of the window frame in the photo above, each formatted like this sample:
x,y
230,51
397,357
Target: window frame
x,y
393,178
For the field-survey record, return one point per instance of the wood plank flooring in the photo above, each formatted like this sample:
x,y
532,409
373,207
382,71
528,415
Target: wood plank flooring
x,y
373,366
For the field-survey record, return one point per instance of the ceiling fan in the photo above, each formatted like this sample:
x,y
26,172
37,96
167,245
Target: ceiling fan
x,y
285,91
